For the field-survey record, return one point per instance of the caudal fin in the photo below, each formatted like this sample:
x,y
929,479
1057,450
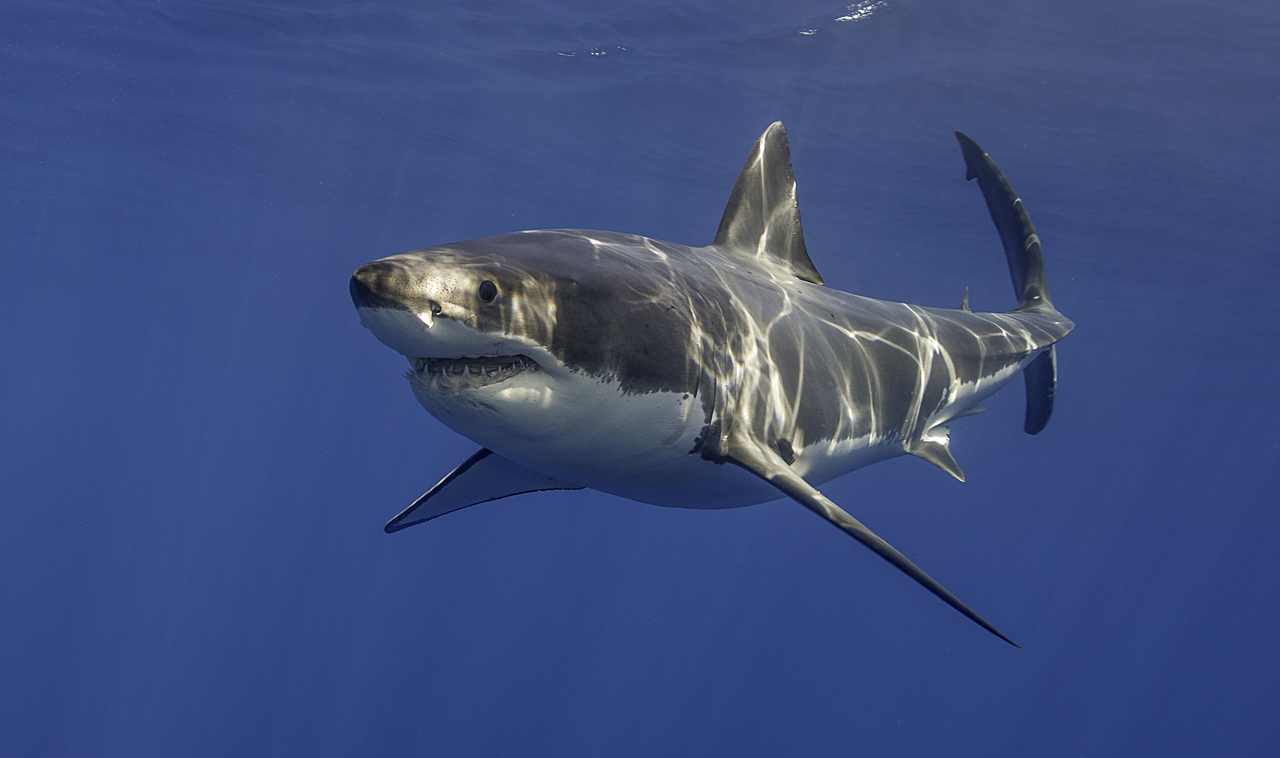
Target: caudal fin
x,y
1026,267
1021,244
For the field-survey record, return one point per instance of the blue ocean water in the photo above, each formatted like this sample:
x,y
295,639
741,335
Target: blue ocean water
x,y
200,444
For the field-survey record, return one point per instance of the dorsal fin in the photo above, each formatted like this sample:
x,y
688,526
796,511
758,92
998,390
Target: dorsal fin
x,y
762,217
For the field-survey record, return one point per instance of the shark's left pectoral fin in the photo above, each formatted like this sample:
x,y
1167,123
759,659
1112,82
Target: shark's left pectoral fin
x,y
767,465
483,477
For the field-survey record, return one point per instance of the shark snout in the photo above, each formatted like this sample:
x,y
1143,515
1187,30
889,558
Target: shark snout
x,y
378,285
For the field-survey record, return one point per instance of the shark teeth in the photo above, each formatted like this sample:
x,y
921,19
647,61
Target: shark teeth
x,y
453,374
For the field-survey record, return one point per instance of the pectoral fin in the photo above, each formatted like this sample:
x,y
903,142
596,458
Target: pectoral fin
x,y
767,465
483,477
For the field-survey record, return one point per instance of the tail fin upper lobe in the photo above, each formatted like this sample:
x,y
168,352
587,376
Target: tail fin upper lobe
x,y
1021,243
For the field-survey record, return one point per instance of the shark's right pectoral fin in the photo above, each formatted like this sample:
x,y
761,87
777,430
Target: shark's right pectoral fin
x,y
768,465
481,478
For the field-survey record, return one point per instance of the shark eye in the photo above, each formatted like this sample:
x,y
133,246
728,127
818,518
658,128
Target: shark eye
x,y
488,291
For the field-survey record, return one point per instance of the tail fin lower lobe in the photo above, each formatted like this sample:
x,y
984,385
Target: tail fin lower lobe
x,y
1041,376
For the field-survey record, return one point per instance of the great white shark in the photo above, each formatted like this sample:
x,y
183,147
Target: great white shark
x,y
700,377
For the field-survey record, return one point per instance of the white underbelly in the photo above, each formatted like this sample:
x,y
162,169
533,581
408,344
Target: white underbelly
x,y
637,446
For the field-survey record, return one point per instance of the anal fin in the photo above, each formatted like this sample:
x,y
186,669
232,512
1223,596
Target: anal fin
x,y
483,477
767,465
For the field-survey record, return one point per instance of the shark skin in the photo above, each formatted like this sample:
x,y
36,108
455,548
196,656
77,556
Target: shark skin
x,y
700,377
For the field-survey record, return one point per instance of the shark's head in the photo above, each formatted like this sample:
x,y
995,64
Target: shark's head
x,y
477,328
533,334
465,319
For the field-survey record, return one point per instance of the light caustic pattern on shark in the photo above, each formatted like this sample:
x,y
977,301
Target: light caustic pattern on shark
x,y
641,367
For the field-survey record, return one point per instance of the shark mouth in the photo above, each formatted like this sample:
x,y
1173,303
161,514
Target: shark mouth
x,y
453,374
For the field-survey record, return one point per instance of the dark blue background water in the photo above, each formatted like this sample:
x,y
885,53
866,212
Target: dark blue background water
x,y
200,444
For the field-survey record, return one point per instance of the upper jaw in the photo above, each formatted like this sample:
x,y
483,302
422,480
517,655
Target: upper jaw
x,y
443,352
446,355
463,373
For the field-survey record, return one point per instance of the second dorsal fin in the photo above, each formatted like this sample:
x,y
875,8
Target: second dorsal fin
x,y
762,217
